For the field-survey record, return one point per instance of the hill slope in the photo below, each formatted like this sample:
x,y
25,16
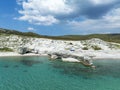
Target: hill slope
x,y
106,37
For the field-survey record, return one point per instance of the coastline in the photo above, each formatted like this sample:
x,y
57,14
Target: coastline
x,y
97,55
106,58
13,54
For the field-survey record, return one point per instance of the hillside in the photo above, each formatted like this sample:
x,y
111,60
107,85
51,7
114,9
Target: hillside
x,y
106,37
23,43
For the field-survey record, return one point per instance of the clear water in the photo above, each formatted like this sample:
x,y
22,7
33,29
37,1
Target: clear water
x,y
39,73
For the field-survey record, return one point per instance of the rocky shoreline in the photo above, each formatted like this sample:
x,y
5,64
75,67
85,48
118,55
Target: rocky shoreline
x,y
28,46
111,54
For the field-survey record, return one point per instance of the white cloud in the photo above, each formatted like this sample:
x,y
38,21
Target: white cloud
x,y
30,29
39,20
110,21
98,2
48,12
44,11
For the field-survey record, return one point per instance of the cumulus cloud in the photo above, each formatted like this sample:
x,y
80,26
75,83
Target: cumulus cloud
x,y
44,11
111,21
84,15
98,2
30,29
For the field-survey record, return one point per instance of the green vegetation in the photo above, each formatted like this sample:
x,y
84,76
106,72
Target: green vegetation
x,y
117,46
111,45
85,48
96,48
106,37
5,49
13,32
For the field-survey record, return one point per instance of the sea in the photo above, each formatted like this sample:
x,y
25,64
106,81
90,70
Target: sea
x,y
41,73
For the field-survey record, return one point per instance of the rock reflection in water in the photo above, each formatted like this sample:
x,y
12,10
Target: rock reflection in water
x,y
72,68
110,69
30,62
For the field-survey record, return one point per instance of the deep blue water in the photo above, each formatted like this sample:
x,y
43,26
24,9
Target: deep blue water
x,y
39,73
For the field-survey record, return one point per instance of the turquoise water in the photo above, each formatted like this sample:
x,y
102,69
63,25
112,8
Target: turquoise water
x,y
39,73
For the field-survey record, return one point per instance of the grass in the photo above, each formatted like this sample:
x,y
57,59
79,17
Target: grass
x,y
106,37
5,49
117,46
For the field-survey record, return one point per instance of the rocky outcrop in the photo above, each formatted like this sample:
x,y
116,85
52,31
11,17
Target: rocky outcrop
x,y
49,45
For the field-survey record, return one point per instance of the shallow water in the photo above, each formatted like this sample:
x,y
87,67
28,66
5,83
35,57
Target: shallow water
x,y
39,73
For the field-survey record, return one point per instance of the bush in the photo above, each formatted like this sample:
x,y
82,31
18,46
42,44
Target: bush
x,y
85,48
5,49
96,48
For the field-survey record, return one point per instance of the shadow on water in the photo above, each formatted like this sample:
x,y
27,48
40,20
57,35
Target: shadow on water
x,y
25,71
30,62
71,69
76,69
112,70
16,66
15,63
6,66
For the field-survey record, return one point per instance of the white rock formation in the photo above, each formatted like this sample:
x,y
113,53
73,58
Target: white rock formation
x,y
70,47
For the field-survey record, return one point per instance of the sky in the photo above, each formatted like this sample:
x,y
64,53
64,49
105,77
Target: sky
x,y
61,17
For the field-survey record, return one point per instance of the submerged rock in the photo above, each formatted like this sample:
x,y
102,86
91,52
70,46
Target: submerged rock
x,y
72,69
25,71
6,66
16,66
29,62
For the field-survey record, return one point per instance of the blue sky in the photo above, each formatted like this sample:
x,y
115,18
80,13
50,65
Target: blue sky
x,y
61,17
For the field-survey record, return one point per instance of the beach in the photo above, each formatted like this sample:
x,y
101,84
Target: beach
x,y
6,54
96,55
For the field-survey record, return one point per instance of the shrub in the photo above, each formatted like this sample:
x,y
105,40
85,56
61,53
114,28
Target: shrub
x,y
96,48
6,49
85,48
